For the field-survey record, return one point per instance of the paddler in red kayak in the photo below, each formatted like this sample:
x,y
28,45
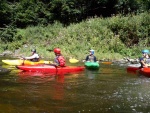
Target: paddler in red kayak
x,y
59,59
145,59
34,57
91,57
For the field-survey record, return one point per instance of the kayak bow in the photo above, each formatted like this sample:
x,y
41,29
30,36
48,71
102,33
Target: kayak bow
x,y
92,65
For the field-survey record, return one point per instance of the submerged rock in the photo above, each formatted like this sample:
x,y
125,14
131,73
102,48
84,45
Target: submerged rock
x,y
3,70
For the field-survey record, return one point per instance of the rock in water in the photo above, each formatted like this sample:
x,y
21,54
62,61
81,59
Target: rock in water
x,y
4,70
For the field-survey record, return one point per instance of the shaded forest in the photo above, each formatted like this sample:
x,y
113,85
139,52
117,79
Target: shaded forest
x,y
23,13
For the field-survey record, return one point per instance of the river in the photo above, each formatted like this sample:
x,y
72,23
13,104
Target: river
x,y
109,90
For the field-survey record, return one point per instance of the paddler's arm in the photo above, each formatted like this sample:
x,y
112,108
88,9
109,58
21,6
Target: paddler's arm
x,y
95,60
143,63
28,58
87,58
32,57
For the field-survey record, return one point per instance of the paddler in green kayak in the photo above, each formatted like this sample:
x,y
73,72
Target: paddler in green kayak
x,y
59,59
91,57
34,57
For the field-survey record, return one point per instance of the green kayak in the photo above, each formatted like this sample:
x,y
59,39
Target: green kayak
x,y
91,65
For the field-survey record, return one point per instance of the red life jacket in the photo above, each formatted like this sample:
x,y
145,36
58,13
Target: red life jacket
x,y
61,61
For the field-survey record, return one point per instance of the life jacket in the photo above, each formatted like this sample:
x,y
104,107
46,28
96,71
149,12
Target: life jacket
x,y
91,58
146,61
61,61
36,59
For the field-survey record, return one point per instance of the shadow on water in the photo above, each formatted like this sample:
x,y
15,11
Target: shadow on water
x,y
107,90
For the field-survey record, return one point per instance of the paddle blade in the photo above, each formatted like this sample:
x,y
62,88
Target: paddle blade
x,y
73,60
48,62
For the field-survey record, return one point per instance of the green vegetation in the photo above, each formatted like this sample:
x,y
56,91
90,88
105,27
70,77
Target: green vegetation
x,y
23,13
113,28
112,38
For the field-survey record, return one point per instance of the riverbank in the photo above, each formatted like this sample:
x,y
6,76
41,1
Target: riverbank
x,y
112,38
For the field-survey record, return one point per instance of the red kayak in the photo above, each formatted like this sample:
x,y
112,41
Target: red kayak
x,y
51,69
145,72
133,68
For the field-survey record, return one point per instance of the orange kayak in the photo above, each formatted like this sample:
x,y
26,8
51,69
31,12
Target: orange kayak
x,y
145,72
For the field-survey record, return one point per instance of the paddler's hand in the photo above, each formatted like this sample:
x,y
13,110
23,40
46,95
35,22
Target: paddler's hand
x,y
83,60
146,65
23,58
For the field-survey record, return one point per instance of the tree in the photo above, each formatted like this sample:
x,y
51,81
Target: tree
x,y
5,14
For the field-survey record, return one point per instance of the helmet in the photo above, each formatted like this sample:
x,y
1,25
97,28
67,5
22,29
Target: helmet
x,y
145,51
57,50
33,50
92,51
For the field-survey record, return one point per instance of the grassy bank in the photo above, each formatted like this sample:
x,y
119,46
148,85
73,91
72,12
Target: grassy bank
x,y
111,38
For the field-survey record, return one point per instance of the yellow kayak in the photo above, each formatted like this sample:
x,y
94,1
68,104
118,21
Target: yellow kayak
x,y
24,62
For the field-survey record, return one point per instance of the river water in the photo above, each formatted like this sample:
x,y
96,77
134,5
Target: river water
x,y
109,90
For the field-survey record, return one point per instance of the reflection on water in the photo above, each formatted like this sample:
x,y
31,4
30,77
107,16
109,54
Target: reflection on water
x,y
91,74
108,90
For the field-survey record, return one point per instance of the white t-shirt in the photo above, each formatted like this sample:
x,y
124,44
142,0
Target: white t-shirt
x,y
35,55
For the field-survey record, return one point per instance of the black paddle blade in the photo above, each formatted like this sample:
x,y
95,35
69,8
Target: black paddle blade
x,y
50,50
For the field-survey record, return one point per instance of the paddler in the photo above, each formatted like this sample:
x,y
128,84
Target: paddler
x,y
91,57
34,56
59,59
145,59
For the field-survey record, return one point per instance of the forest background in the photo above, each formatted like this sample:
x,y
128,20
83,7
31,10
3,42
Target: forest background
x,y
113,28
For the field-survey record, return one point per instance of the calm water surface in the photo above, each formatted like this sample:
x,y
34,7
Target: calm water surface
x,y
109,90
